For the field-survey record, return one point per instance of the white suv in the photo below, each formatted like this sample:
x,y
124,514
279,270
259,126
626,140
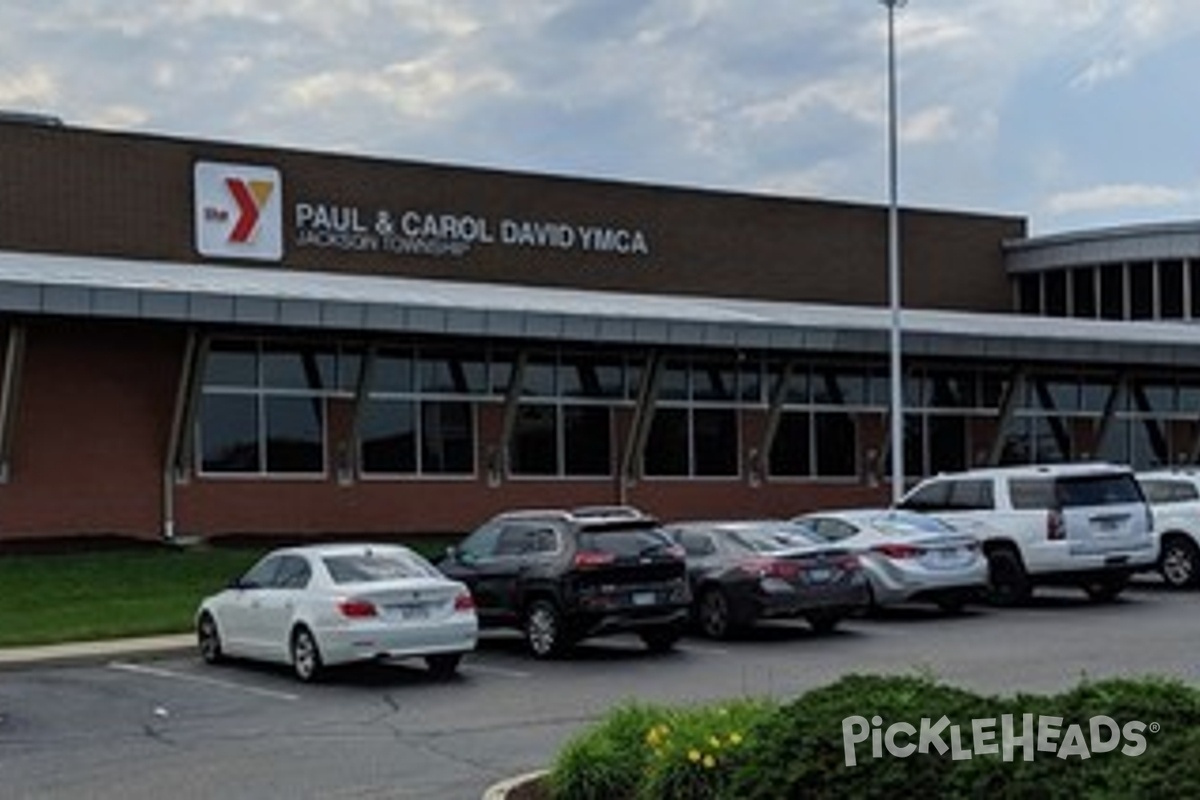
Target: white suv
x,y
1175,497
1086,525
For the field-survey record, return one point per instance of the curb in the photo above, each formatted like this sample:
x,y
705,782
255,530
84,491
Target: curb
x,y
95,652
511,788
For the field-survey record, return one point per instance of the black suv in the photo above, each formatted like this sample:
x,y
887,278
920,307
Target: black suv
x,y
561,576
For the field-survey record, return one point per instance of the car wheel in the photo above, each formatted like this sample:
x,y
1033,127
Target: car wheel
x,y
306,656
443,665
544,630
1009,583
1180,562
824,623
662,638
714,615
208,638
1105,590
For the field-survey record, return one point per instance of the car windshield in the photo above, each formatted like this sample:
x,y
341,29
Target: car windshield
x,y
773,538
370,567
1097,490
909,524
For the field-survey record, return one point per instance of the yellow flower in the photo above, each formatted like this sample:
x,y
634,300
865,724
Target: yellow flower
x,y
735,738
694,755
714,741
709,762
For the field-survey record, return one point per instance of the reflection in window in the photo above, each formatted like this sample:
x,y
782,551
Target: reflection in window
x,y
535,441
295,434
667,451
587,446
388,436
229,439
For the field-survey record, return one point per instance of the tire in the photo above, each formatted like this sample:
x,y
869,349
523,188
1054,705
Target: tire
x,y
824,623
1105,590
713,614
443,666
1008,582
1180,562
545,632
208,639
662,638
306,655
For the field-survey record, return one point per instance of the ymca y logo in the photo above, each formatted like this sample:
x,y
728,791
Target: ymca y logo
x,y
238,211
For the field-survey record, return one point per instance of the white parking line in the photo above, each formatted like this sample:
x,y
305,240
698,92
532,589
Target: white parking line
x,y
502,672
702,649
140,669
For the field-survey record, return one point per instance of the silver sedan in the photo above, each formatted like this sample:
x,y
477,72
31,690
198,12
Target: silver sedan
x,y
317,606
907,556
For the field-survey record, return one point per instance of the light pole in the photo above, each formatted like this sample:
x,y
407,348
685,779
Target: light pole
x,y
896,376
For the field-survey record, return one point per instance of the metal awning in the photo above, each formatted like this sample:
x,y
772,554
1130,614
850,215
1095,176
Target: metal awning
x,y
39,284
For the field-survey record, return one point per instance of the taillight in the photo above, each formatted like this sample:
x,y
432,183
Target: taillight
x,y
588,559
897,550
1056,527
464,602
357,609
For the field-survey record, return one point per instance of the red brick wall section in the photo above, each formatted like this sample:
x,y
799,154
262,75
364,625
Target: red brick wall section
x,y
92,424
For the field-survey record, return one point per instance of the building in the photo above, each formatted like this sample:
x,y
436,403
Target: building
x,y
208,339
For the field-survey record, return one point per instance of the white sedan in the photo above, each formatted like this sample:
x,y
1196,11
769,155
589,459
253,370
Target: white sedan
x,y
316,606
907,556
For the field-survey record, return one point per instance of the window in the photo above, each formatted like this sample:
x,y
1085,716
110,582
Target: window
x,y
1083,292
1055,297
262,407
696,544
374,567
1112,291
1170,290
1168,491
419,416
294,573
1029,293
564,428
695,427
1141,290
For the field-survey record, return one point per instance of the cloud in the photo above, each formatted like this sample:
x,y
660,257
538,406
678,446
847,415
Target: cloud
x,y
31,89
1117,196
1102,70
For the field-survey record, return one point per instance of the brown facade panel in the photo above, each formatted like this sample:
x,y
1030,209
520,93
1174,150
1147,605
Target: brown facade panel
x,y
92,423
91,193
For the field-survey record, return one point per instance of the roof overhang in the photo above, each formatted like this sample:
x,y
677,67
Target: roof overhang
x,y
53,285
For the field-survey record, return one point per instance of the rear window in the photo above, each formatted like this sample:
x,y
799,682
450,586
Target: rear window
x,y
1097,490
373,567
773,539
1027,493
902,524
624,541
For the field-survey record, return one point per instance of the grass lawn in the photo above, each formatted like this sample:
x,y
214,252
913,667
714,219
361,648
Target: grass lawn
x,y
45,599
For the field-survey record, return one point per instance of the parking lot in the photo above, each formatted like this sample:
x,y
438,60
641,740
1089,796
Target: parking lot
x,y
151,728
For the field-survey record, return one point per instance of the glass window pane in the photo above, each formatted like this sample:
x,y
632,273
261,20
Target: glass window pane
x,y
232,364
673,383
349,369
1083,292
229,433
1170,289
451,373
714,382
839,387
500,373
715,441
1141,290
289,367
590,376
1029,293
535,441
295,434
587,440
667,444
1112,291
951,389
1056,293
388,436
447,438
540,378
790,449
837,444
750,382
393,372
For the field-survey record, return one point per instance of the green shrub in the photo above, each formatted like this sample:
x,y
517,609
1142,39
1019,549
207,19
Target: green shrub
x,y
753,750
607,762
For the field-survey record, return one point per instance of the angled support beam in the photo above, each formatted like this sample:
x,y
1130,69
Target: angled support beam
x,y
779,394
639,428
180,439
497,457
10,391
1119,389
349,465
1008,411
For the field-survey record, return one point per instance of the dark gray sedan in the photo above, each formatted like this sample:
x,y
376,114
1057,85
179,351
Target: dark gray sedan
x,y
748,570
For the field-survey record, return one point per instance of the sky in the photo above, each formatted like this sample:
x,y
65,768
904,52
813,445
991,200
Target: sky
x,y
1072,113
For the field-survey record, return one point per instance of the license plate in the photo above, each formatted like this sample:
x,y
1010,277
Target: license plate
x,y
643,598
412,612
819,575
1107,526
